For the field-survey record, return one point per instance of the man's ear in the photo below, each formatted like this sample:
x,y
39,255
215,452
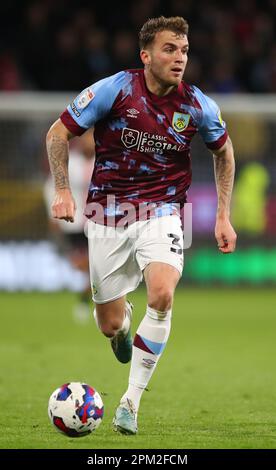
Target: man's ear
x,y
145,57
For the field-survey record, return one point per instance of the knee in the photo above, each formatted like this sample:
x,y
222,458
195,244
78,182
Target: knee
x,y
160,298
108,321
111,328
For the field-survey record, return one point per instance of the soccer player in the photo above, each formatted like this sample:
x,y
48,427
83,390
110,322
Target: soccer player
x,y
144,121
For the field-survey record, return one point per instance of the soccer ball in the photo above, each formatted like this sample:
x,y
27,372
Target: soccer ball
x,y
75,409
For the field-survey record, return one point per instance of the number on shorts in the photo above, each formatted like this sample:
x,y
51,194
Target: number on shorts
x,y
175,241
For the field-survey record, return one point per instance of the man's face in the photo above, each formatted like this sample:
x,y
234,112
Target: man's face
x,y
166,57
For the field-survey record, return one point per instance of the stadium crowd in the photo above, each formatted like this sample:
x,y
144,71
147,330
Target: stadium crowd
x,y
64,45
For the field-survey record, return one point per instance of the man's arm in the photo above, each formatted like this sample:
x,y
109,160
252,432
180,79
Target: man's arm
x,y
57,139
224,167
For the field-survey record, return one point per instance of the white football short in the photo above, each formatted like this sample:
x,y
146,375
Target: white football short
x,y
118,256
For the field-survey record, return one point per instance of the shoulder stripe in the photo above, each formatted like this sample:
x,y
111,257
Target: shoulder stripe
x,y
70,124
217,144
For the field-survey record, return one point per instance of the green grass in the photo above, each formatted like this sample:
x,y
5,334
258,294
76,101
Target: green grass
x,y
213,388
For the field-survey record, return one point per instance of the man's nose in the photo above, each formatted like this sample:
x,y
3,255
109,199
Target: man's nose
x,y
179,56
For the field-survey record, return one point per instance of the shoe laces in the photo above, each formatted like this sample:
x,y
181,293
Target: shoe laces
x,y
131,407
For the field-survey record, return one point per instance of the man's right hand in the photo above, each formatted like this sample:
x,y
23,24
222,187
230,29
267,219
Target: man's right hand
x,y
64,206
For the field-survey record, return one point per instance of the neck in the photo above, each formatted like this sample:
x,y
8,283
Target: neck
x,y
157,87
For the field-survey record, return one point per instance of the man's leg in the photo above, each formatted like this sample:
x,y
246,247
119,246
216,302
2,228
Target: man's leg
x,y
149,342
114,320
113,273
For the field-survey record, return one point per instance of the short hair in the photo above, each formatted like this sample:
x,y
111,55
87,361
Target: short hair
x,y
176,24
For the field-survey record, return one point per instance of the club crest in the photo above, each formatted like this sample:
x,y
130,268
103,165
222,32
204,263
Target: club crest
x,y
180,121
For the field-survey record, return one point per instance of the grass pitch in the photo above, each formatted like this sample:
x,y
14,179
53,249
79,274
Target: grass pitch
x,y
214,386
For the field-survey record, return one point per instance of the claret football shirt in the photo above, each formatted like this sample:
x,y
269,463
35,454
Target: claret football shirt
x,y
142,140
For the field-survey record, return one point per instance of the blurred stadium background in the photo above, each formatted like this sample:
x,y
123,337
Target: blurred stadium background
x,y
50,50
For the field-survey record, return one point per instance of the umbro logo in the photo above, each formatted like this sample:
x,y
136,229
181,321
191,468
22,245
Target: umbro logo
x,y
148,363
132,112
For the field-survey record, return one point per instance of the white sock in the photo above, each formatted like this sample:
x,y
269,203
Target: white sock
x,y
126,322
148,345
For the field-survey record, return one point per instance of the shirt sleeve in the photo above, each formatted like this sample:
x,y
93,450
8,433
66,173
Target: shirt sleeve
x,y
212,128
92,104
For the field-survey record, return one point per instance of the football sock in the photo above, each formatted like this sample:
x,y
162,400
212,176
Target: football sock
x,y
148,345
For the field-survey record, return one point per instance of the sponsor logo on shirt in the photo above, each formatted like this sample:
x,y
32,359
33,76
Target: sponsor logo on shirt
x,y
82,101
74,109
130,137
132,112
147,142
180,121
84,98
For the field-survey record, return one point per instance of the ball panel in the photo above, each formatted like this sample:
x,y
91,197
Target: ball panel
x,y
64,392
58,422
